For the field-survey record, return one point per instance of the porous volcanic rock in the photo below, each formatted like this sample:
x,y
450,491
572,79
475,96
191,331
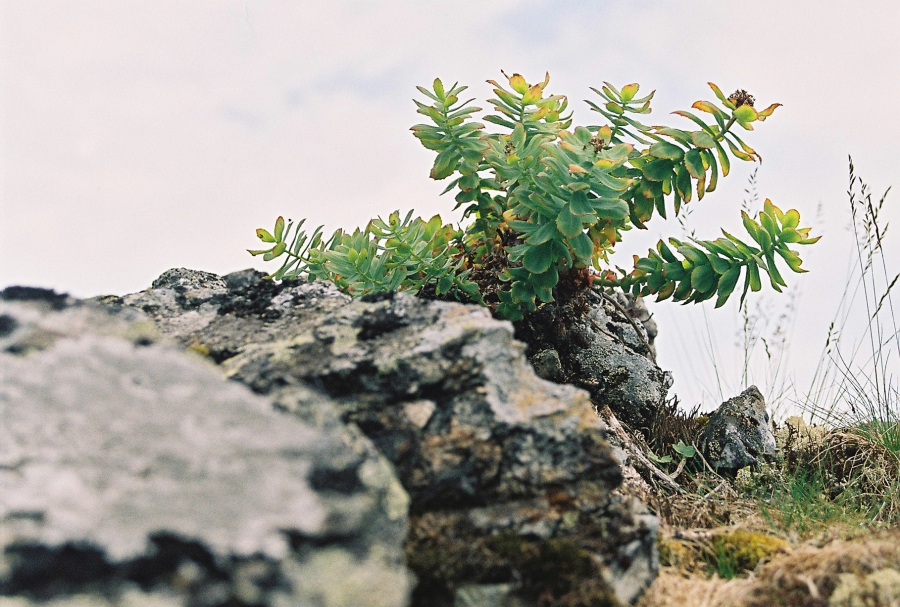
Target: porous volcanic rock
x,y
591,343
510,477
739,434
133,474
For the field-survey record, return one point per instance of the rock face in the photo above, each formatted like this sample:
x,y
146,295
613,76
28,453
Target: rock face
x,y
739,433
510,478
600,350
133,474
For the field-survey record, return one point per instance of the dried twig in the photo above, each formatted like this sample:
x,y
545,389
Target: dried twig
x,y
616,428
680,468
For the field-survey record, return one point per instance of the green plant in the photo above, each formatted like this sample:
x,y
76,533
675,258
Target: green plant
x,y
546,204
384,256
733,553
805,500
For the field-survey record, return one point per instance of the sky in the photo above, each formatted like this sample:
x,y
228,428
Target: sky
x,y
141,136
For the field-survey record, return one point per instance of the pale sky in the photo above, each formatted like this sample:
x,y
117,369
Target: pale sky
x,y
140,136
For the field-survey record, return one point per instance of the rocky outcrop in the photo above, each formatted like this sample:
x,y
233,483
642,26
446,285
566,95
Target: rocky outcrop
x,y
739,434
603,344
133,474
510,478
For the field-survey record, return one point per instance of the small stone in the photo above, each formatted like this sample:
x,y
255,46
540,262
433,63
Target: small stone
x,y
738,434
880,588
486,595
419,412
547,365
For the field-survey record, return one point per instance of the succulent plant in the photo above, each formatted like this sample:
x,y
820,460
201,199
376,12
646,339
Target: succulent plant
x,y
544,201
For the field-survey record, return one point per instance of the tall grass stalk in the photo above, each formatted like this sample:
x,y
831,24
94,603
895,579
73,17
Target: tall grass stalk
x,y
855,382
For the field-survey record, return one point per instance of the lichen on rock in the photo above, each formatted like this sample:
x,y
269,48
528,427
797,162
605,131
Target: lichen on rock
x,y
484,447
132,473
738,434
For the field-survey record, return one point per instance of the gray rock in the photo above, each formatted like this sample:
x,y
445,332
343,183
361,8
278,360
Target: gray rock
x,y
739,434
600,351
504,469
547,365
133,474
637,309
487,595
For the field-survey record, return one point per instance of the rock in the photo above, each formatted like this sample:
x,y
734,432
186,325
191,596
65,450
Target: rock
x,y
637,309
547,365
487,595
599,350
796,434
738,434
510,478
880,588
133,474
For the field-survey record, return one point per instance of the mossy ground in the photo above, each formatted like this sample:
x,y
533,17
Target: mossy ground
x,y
820,527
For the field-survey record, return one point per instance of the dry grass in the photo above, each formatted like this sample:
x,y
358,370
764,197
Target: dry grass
x,y
835,496
709,501
804,577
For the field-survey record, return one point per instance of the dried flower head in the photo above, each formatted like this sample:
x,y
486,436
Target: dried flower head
x,y
741,97
598,144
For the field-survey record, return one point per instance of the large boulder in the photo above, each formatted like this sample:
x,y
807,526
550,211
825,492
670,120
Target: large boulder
x,y
511,481
739,434
603,344
133,474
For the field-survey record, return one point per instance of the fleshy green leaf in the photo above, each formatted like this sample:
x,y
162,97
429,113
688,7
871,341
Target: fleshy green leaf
x,y
580,205
684,450
546,279
518,84
666,150
665,459
546,232
610,208
583,247
703,278
755,282
791,219
702,140
629,91
568,224
538,259
438,87
694,163
657,169
745,115
726,285
721,95
517,137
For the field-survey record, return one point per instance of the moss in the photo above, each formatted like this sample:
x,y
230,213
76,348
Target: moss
x,y
558,572
727,554
199,348
736,552
678,553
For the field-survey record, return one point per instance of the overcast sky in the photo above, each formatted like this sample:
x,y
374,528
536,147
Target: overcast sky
x,y
140,136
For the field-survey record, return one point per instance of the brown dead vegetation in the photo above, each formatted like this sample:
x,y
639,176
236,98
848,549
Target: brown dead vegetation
x,y
806,576
819,528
